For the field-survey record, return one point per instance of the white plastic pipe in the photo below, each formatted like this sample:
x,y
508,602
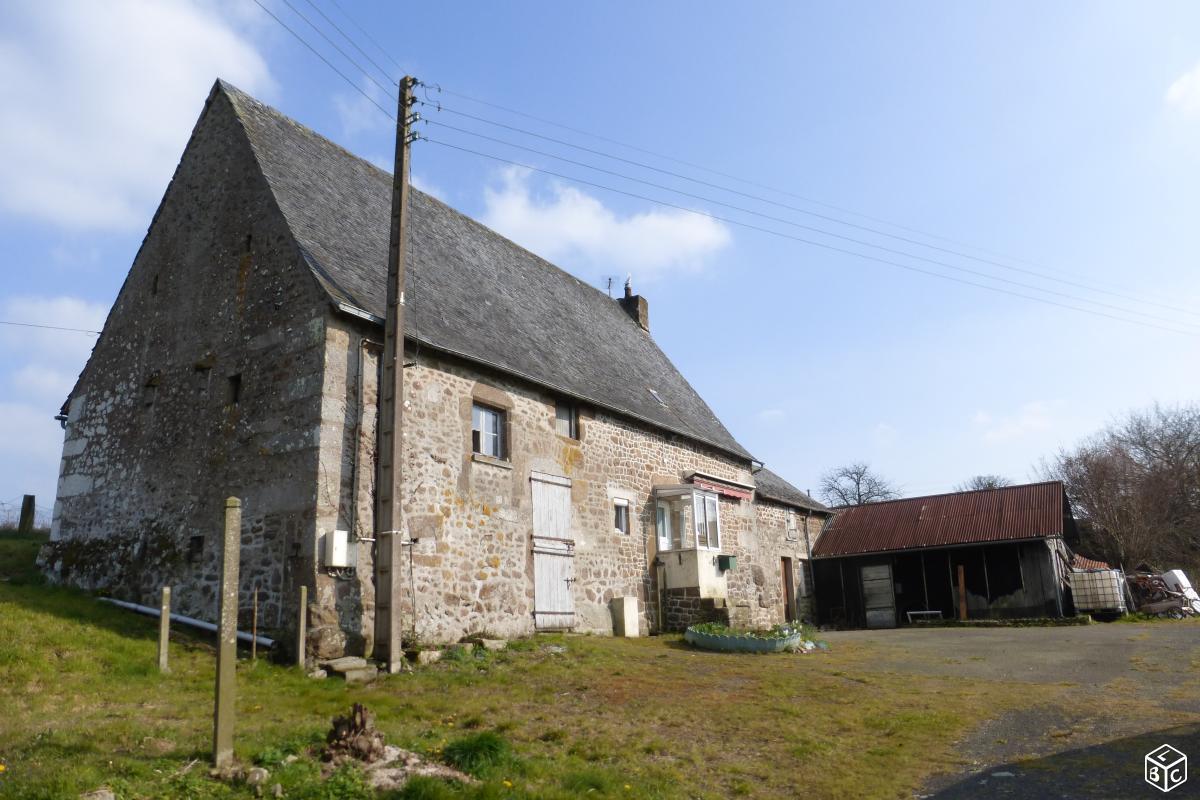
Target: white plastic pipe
x,y
263,641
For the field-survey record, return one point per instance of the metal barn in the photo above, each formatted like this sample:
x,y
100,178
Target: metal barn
x,y
1002,552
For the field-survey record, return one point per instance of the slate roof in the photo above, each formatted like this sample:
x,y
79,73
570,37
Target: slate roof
x,y
772,487
1011,513
469,291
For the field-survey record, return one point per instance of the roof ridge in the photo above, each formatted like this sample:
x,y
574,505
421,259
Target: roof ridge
x,y
947,494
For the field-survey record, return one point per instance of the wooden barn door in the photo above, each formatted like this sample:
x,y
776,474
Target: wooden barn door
x,y
879,600
553,553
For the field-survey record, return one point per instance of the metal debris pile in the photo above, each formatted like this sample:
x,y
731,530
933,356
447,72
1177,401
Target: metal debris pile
x,y
1166,595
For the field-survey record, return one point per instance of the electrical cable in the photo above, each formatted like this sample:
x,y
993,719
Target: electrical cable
x,y
328,63
803,240
353,43
386,90
749,182
439,107
48,327
813,229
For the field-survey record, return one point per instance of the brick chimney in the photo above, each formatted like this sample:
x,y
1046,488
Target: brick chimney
x,y
636,307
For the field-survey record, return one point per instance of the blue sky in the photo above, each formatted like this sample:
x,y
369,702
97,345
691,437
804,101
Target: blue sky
x,y
1062,138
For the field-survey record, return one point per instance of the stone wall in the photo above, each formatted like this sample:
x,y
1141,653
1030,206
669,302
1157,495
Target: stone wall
x,y
684,607
205,383
780,533
471,516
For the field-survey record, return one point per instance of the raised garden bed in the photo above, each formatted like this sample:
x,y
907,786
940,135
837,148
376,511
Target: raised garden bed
x,y
713,636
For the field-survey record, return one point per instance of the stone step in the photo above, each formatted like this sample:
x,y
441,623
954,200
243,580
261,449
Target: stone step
x,y
343,664
362,675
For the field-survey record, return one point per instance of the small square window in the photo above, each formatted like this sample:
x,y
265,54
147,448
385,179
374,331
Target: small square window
x,y
566,419
488,432
621,516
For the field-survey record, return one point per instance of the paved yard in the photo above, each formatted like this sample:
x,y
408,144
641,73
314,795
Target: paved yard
x,y
1126,689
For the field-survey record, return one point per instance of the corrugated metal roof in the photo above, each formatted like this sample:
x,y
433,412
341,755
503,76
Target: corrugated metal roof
x,y
1030,511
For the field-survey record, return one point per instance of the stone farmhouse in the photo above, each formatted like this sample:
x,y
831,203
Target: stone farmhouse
x,y
559,472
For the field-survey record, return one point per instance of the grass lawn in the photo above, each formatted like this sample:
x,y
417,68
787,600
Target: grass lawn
x,y
84,707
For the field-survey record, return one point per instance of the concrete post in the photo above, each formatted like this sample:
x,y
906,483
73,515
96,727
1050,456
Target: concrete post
x,y
223,707
27,509
164,628
302,630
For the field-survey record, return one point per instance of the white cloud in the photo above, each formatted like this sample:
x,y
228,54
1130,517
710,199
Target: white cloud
x,y
99,99
358,114
1031,418
1184,93
573,227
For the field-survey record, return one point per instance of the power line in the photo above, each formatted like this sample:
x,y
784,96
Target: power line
x,y
48,327
811,228
385,89
353,43
722,188
803,240
1093,287
365,33
825,217
507,109
328,63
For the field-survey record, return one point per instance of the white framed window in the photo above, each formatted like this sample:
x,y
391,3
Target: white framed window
x,y
670,521
706,514
566,419
488,431
621,515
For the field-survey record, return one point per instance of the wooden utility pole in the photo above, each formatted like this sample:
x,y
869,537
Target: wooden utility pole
x,y
164,629
390,450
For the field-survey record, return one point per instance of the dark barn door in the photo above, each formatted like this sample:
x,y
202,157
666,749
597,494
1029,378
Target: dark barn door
x,y
879,602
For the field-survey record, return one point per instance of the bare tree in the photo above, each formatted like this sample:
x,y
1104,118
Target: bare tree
x,y
983,482
1136,488
854,485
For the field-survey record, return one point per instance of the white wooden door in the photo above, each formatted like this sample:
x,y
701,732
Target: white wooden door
x,y
553,553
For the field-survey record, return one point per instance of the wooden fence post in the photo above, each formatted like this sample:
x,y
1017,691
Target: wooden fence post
x,y
164,628
254,626
962,593
223,708
302,630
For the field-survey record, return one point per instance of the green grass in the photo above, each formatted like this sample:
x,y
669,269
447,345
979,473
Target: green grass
x,y
84,707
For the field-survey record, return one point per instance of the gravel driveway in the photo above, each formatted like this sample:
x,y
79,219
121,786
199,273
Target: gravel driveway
x,y
1119,692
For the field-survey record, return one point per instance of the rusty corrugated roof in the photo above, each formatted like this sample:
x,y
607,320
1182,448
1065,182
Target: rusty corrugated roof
x,y
1029,511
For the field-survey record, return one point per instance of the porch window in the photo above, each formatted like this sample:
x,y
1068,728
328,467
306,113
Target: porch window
x,y
487,431
686,517
671,522
708,522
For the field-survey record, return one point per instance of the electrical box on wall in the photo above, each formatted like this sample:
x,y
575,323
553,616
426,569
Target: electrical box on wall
x,y
337,550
